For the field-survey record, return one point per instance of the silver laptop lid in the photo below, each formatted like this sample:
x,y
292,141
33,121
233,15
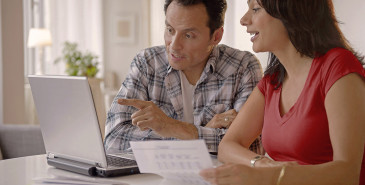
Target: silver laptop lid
x,y
68,119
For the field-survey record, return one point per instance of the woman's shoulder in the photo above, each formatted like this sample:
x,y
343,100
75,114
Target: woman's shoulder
x,y
339,54
335,64
267,83
338,57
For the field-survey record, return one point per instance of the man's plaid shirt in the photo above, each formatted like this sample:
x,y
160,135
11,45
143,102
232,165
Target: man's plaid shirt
x,y
226,82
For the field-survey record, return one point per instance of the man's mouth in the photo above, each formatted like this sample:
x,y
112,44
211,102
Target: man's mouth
x,y
177,56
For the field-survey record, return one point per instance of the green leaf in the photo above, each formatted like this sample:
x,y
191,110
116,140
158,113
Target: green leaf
x,y
78,63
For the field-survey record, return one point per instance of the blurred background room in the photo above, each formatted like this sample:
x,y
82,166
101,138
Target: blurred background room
x,y
106,34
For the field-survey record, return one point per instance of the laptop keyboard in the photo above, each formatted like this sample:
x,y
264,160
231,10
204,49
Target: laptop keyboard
x,y
119,161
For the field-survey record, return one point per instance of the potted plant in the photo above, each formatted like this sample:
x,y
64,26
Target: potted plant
x,y
78,63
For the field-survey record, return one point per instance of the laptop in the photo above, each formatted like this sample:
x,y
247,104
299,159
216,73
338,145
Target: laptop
x,y
70,128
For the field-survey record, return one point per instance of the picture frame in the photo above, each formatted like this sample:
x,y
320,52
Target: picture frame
x,y
124,29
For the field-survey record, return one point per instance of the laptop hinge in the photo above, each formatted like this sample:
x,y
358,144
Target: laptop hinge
x,y
98,165
50,155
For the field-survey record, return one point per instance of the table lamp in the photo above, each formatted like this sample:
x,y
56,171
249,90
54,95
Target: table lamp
x,y
39,38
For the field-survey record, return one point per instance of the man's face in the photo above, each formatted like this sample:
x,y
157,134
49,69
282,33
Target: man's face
x,y
187,37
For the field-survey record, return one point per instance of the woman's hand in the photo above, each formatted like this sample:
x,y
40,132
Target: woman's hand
x,y
238,174
231,174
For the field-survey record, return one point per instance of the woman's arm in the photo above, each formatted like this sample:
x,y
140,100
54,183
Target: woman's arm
x,y
345,107
245,128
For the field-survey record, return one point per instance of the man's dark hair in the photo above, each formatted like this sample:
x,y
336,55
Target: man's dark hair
x,y
215,9
312,28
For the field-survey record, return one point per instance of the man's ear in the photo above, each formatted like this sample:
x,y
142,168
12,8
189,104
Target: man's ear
x,y
217,35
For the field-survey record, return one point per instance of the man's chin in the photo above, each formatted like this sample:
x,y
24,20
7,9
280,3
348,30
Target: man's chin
x,y
175,66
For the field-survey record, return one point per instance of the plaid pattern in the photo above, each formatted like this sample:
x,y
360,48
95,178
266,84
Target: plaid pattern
x,y
227,80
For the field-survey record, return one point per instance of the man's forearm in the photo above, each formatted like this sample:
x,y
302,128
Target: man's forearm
x,y
183,131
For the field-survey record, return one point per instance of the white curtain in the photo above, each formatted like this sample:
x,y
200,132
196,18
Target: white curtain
x,y
77,21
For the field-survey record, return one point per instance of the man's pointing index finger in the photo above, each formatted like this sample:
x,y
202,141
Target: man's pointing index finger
x,y
139,104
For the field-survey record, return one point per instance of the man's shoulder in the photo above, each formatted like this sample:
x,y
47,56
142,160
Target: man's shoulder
x,y
230,51
152,59
153,56
236,55
238,60
154,51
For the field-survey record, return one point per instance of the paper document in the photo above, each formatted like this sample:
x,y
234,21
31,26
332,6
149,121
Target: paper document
x,y
177,160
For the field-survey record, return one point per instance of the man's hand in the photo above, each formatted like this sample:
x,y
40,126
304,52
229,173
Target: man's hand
x,y
149,116
223,120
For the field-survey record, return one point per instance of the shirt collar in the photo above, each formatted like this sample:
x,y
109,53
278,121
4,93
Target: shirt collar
x,y
210,67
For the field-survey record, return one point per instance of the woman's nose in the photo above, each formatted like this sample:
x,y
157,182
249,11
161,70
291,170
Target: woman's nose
x,y
245,20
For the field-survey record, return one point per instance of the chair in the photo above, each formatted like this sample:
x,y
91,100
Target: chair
x,y
20,141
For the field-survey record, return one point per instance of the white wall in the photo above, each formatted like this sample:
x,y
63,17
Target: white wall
x,y
351,14
118,56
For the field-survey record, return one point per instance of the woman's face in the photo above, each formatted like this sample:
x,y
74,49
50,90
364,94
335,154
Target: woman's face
x,y
268,33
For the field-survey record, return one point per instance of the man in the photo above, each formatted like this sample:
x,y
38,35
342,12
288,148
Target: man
x,y
191,88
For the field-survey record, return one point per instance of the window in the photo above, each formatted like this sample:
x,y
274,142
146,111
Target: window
x,y
67,20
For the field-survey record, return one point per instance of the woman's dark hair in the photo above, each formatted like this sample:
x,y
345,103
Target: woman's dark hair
x,y
312,27
216,10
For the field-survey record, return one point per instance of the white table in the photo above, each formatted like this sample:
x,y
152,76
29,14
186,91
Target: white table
x,y
22,171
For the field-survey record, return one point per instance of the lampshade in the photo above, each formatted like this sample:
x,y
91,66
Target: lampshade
x,y
39,37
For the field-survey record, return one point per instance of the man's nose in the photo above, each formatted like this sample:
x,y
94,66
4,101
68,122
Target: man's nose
x,y
176,43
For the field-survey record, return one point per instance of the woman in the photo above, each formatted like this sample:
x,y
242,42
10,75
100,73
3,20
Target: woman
x,y
309,107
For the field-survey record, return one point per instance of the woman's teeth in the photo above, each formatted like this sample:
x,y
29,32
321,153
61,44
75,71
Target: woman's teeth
x,y
254,35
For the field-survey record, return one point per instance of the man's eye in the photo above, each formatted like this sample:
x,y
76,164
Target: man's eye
x,y
188,36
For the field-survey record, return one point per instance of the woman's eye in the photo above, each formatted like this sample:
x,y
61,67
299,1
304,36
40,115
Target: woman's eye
x,y
169,30
255,9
